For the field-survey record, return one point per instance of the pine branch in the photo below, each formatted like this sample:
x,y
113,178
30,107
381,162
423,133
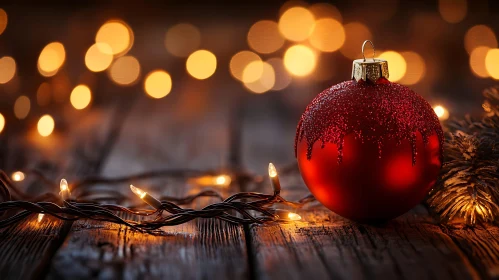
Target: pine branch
x,y
468,187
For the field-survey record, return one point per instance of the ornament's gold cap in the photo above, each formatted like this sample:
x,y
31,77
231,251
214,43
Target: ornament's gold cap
x,y
369,69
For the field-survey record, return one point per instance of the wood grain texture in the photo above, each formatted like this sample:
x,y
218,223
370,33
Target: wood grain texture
x,y
26,249
202,249
481,246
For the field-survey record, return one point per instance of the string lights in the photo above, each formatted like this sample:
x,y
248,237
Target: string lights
x,y
240,208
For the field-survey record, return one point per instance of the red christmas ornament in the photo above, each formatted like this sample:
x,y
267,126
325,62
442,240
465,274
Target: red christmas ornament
x,y
369,149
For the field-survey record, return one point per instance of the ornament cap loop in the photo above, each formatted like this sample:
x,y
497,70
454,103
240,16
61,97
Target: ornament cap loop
x,y
369,70
372,45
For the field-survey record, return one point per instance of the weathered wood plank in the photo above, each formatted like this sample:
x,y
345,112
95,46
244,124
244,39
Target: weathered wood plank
x,y
323,245
156,136
27,248
480,244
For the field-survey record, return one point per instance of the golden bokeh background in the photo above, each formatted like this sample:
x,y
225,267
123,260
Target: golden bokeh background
x,y
84,60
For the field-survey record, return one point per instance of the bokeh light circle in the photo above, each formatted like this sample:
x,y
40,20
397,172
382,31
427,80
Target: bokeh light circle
x,y
22,107
51,59
328,35
478,36
397,65
265,82
253,71
300,60
46,125
264,37
125,70
3,20
453,11
441,112
325,10
477,61
415,69
296,24
158,84
99,57
492,63
282,77
239,61
7,69
355,34
182,39
116,34
201,64
2,123
80,97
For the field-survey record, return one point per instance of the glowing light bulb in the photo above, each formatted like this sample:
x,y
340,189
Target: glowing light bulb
x,y
274,179
17,176
64,185
65,193
294,217
40,217
272,170
140,193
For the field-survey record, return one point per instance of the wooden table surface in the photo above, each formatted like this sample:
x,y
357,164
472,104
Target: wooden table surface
x,y
151,135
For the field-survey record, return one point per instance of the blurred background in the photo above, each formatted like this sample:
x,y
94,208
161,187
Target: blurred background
x,y
60,61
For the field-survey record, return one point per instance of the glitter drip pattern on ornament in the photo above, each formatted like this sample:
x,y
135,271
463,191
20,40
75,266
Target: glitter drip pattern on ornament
x,y
372,112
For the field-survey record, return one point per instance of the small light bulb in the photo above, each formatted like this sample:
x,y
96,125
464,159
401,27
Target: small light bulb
x,y
294,217
65,193
40,217
272,170
140,193
18,176
64,185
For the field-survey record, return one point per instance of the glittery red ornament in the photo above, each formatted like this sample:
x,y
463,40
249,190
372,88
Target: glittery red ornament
x,y
369,151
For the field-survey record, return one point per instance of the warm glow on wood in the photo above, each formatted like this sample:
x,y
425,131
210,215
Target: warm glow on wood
x,y
294,217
